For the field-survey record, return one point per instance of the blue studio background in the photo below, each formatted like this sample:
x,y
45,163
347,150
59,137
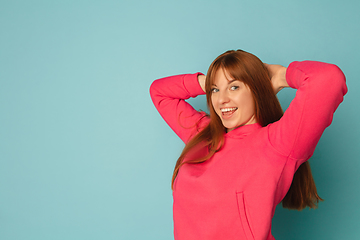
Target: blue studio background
x,y
83,152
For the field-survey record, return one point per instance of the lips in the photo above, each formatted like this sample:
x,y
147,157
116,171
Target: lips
x,y
227,112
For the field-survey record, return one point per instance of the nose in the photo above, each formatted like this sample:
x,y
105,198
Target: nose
x,y
224,97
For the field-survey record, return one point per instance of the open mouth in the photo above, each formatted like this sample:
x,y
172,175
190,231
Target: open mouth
x,y
228,112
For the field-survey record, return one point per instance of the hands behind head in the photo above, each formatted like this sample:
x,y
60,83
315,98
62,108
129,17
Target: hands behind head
x,y
201,79
277,76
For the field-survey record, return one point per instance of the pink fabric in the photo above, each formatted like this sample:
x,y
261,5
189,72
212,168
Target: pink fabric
x,y
234,194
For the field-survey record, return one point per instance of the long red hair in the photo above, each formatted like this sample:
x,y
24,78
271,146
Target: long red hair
x,y
251,70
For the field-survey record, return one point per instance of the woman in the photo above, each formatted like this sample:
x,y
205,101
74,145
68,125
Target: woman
x,y
239,162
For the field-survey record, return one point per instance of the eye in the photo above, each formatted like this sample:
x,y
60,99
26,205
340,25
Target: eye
x,y
234,87
214,90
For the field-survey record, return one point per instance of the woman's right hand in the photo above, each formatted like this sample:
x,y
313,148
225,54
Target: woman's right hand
x,y
201,79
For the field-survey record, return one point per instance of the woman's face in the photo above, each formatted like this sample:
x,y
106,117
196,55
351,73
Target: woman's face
x,y
232,101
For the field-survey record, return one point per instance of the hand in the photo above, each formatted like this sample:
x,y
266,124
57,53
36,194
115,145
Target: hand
x,y
277,76
201,79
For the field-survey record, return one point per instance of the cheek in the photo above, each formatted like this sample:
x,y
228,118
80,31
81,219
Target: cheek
x,y
251,105
213,102
247,101
213,105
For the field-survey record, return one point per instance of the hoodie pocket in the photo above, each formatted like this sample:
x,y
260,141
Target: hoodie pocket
x,y
243,216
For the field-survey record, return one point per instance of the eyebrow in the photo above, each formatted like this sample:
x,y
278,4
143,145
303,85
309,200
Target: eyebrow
x,y
230,81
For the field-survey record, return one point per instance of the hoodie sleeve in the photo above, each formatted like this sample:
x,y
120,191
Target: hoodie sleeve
x,y
320,90
169,95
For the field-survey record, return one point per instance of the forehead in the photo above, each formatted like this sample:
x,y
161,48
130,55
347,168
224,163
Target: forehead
x,y
222,75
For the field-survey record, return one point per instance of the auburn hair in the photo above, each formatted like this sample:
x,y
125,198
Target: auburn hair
x,y
250,70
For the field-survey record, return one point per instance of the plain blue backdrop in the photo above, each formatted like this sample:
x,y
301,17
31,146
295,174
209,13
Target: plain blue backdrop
x,y
83,152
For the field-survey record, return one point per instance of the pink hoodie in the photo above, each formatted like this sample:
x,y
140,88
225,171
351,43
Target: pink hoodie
x,y
233,195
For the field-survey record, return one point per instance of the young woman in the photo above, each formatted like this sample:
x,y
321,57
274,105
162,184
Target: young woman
x,y
246,156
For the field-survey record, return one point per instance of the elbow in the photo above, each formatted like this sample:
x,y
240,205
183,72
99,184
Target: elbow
x,y
338,79
154,88
154,92
333,79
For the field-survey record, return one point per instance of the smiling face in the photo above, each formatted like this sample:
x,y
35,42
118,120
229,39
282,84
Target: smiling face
x,y
232,101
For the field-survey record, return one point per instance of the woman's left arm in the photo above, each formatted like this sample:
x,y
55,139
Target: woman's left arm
x,y
320,90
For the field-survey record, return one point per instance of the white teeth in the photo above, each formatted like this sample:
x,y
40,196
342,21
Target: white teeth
x,y
228,109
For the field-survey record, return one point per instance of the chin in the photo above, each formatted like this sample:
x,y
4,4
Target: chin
x,y
230,126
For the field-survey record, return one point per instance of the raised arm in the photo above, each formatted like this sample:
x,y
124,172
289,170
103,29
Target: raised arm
x,y
320,90
169,94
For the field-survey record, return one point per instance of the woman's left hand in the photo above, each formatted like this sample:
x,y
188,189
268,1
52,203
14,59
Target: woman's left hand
x,y
277,76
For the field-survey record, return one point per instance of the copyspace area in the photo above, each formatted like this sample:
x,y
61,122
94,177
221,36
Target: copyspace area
x,y
85,155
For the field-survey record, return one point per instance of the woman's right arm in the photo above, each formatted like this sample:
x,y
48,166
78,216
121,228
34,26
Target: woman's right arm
x,y
169,94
